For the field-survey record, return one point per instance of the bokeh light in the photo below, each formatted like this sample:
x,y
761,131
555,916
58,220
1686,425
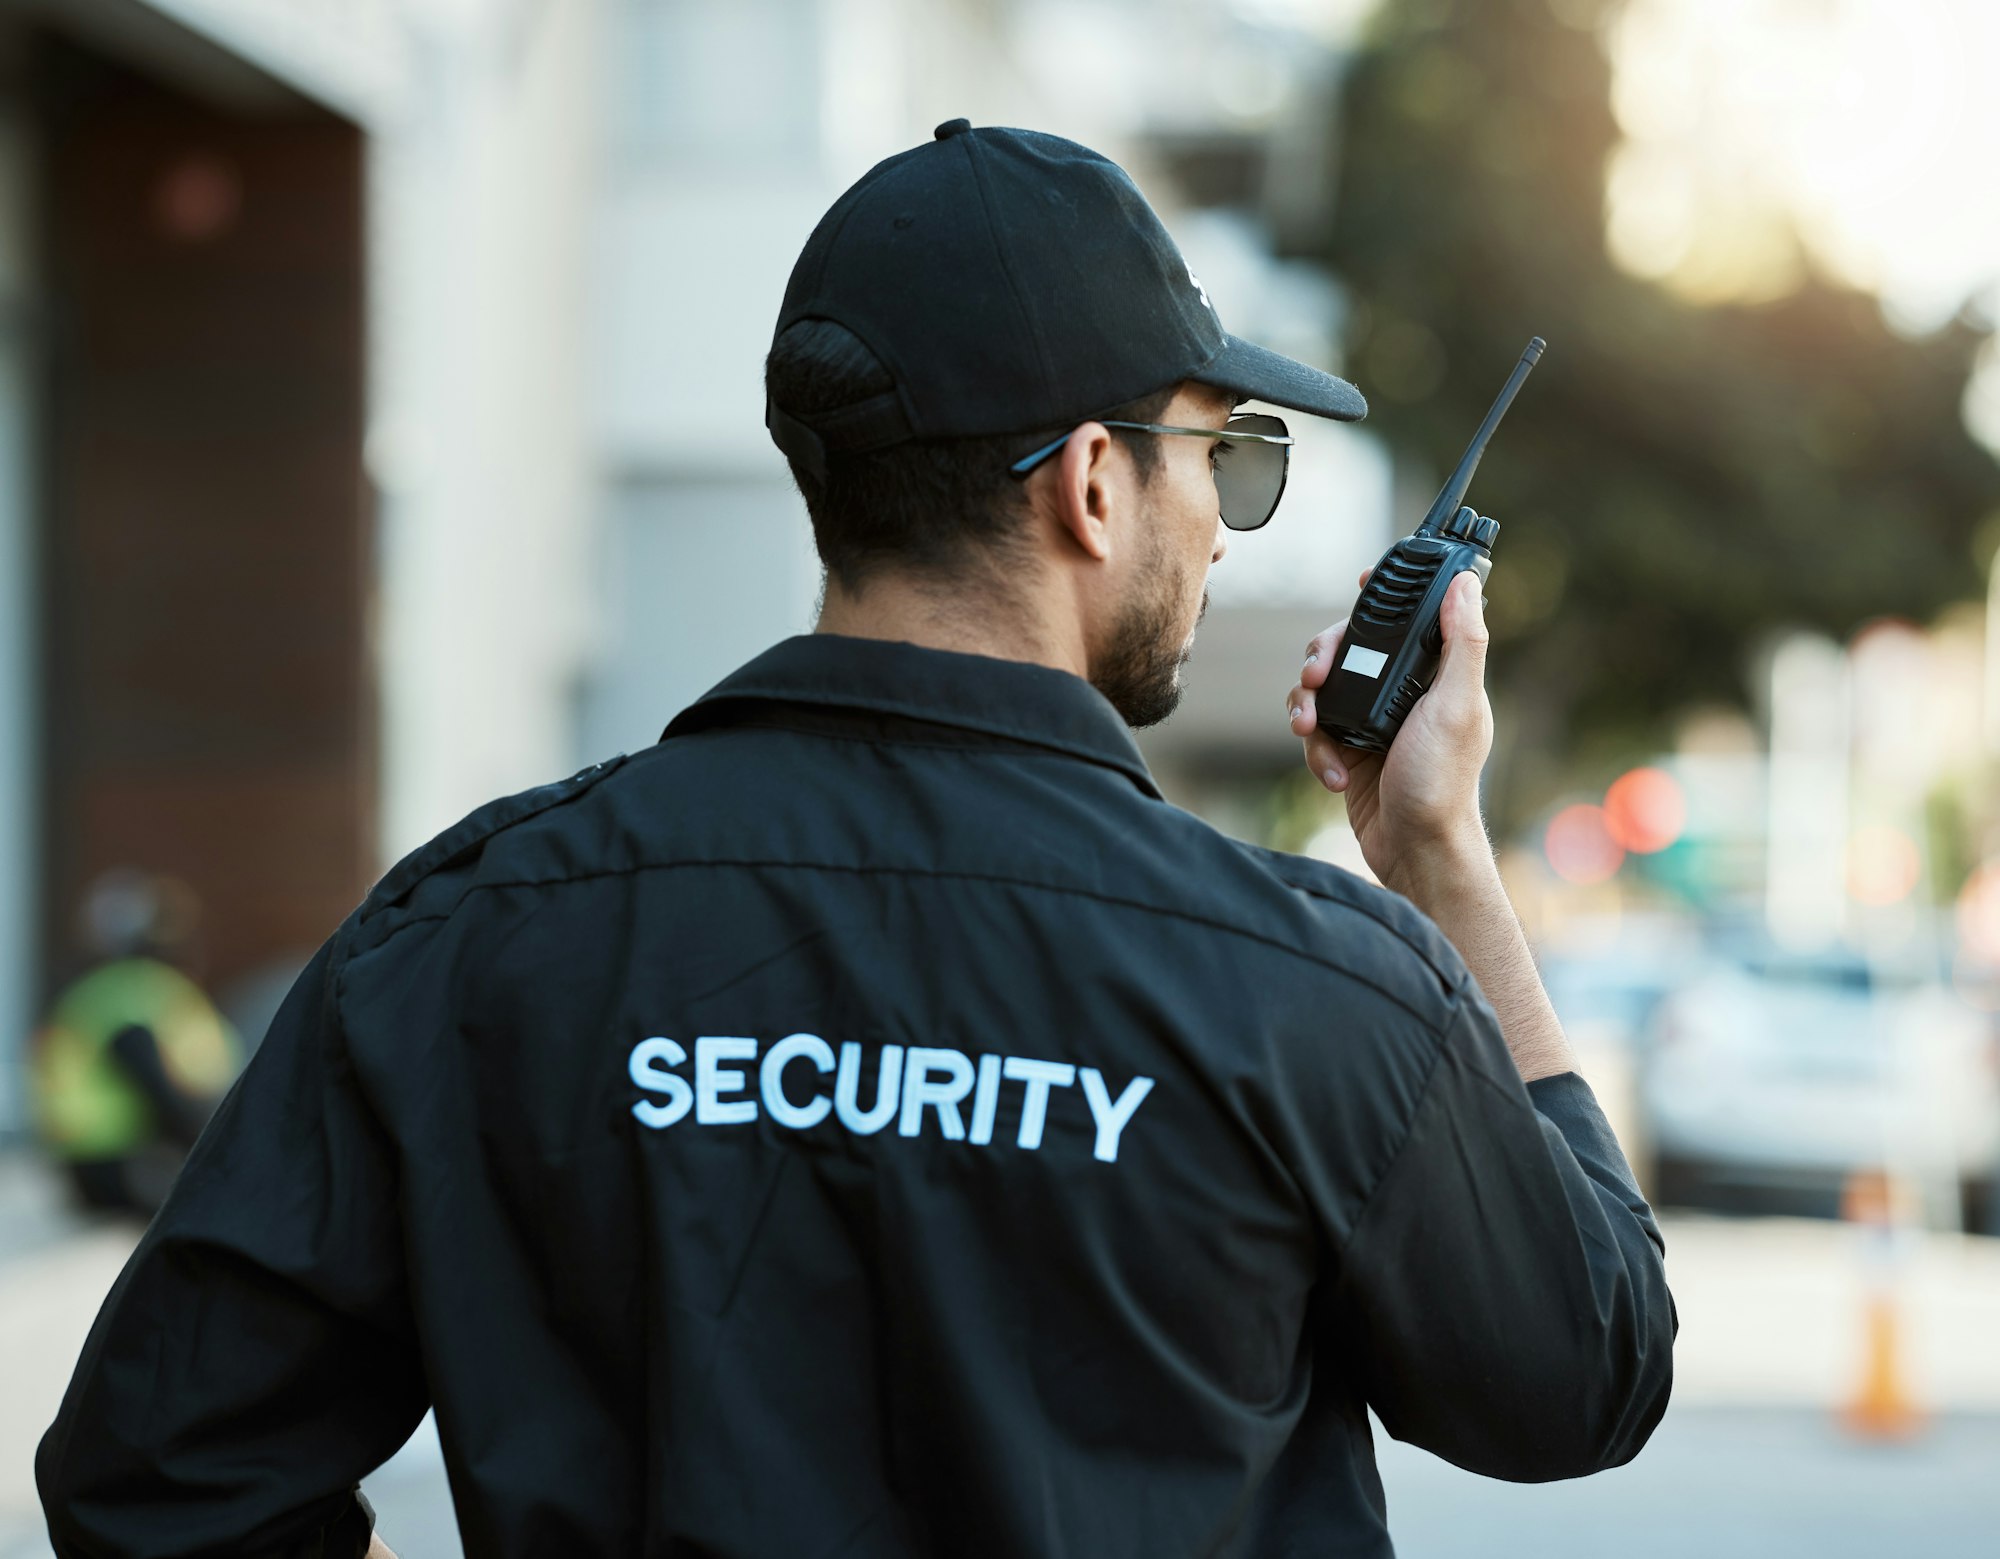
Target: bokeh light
x,y
1883,865
1645,810
1752,124
1979,914
1580,846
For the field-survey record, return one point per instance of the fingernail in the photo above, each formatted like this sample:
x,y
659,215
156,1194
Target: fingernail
x,y
1291,714
1312,657
1335,776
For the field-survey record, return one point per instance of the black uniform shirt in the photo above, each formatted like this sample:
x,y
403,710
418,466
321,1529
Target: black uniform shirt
x,y
869,1123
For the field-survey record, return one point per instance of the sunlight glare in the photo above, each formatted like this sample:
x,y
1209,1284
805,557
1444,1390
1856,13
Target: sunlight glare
x,y
1868,126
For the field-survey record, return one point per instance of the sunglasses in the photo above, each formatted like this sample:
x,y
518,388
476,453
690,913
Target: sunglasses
x,y
1251,459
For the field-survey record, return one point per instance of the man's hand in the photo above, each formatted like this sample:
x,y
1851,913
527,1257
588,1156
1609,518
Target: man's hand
x,y
1416,813
1421,801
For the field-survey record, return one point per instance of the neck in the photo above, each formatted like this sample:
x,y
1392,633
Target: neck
x,y
953,616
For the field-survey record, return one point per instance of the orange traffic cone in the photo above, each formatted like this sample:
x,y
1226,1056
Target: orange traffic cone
x,y
1882,1407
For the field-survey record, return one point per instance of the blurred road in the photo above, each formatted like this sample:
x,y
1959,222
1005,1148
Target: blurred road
x,y
1720,1483
1749,1462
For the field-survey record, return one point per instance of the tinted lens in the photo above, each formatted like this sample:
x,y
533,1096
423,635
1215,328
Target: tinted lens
x,y
1250,475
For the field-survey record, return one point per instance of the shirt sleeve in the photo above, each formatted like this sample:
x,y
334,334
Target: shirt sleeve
x,y
256,1357
1503,1298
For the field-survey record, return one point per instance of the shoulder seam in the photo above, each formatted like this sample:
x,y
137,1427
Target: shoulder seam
x,y
1368,914
1361,909
957,876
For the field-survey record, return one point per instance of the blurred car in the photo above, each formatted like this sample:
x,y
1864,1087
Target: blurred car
x,y
1771,1077
1606,981
1606,978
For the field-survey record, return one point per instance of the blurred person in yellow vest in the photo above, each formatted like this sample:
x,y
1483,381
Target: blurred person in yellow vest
x,y
134,1056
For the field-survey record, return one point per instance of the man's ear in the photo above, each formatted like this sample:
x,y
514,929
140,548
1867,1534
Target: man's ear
x,y
1079,493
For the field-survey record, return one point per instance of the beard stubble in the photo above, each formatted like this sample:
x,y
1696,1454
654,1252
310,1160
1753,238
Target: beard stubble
x,y
1139,670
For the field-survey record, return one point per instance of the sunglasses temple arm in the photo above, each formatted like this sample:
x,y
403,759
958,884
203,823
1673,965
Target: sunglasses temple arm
x,y
1027,463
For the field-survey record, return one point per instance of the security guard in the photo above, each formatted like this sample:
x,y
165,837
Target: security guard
x,y
872,1122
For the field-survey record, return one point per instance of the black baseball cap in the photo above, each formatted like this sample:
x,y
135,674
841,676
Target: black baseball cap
x,y
1012,281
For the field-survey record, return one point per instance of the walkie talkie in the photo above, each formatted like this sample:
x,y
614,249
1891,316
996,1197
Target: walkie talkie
x,y
1390,652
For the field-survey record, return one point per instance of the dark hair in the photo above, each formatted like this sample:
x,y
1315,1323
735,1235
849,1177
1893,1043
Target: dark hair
x,y
930,506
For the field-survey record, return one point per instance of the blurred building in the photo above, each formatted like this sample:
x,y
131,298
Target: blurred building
x,y
293,471
380,403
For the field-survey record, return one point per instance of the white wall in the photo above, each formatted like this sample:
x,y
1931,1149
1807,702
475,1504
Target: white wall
x,y
714,175
484,181
698,574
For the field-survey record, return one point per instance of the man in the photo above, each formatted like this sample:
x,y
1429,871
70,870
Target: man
x,y
872,1122
133,1056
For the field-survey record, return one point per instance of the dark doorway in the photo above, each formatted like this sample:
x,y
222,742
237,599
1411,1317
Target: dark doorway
x,y
208,702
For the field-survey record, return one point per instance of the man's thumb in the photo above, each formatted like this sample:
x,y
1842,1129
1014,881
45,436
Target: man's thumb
x,y
1463,619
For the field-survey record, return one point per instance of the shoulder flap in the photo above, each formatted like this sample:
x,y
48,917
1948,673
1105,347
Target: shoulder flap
x,y
469,833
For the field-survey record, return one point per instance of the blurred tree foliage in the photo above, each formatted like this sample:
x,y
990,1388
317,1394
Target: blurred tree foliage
x,y
1675,481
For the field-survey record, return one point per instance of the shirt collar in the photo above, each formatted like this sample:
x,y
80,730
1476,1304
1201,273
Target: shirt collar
x,y
1011,698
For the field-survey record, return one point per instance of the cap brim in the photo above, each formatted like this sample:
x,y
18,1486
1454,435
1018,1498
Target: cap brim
x,y
1257,373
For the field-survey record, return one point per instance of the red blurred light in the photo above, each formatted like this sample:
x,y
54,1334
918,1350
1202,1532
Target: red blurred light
x,y
1645,810
1580,846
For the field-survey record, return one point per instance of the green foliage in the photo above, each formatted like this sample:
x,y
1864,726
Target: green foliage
x,y
1296,807
1674,481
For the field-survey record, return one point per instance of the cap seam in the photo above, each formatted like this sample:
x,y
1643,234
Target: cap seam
x,y
993,232
826,254
810,306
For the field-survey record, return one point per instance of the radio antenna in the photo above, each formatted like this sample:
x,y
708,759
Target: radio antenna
x,y
1454,490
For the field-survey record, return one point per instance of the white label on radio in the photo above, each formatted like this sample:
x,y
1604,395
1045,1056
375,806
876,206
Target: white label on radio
x,y
1367,662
